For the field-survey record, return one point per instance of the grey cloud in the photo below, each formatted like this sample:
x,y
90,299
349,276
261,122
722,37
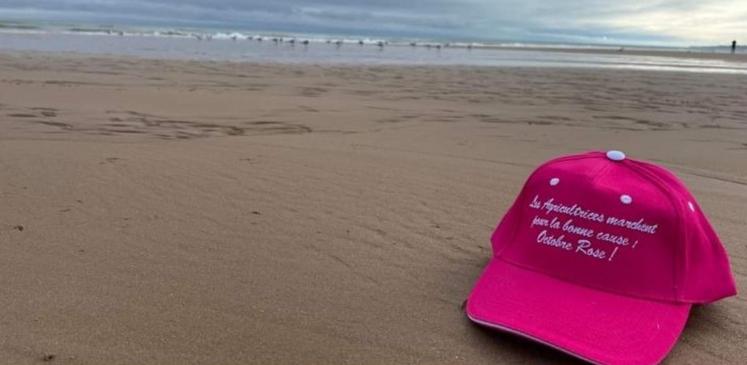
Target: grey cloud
x,y
581,20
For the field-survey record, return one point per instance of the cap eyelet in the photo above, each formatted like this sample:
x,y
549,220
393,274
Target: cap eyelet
x,y
626,199
554,181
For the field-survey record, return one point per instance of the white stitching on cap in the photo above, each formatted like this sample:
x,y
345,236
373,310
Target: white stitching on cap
x,y
691,205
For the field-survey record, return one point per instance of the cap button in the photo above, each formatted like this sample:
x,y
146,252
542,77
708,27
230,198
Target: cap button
x,y
615,155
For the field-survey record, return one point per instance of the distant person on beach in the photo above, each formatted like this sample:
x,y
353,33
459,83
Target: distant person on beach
x,y
733,46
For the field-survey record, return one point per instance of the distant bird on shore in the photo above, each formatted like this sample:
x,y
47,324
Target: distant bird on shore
x,y
360,42
338,43
413,44
438,46
259,39
305,42
233,38
380,44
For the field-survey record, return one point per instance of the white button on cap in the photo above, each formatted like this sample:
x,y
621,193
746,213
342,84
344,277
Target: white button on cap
x,y
615,155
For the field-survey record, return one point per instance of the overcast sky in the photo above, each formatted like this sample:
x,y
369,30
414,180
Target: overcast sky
x,y
666,22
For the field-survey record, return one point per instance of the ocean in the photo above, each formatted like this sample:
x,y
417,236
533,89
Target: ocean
x,y
241,46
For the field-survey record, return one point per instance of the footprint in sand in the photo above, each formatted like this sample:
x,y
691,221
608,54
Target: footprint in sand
x,y
48,357
60,125
111,160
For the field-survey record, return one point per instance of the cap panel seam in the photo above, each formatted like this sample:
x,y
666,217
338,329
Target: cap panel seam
x,y
650,175
599,172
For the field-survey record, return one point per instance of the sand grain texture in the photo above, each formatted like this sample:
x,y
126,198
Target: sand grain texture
x,y
156,212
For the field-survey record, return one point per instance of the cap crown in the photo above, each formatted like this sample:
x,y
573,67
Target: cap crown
x,y
622,226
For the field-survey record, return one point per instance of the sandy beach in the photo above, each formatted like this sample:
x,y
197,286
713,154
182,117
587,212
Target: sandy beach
x,y
184,212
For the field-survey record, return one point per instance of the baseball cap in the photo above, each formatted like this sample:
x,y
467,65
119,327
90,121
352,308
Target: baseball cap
x,y
601,256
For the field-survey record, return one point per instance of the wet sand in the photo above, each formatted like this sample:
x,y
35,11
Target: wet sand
x,y
721,55
156,212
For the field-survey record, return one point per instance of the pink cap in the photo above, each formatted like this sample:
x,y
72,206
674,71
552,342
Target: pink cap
x,y
601,257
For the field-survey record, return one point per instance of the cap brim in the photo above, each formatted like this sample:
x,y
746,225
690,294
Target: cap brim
x,y
594,325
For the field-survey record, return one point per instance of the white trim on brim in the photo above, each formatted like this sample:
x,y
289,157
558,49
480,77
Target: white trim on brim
x,y
530,337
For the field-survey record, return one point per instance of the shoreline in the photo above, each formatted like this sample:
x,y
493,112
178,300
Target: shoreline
x,y
736,58
717,70
394,55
